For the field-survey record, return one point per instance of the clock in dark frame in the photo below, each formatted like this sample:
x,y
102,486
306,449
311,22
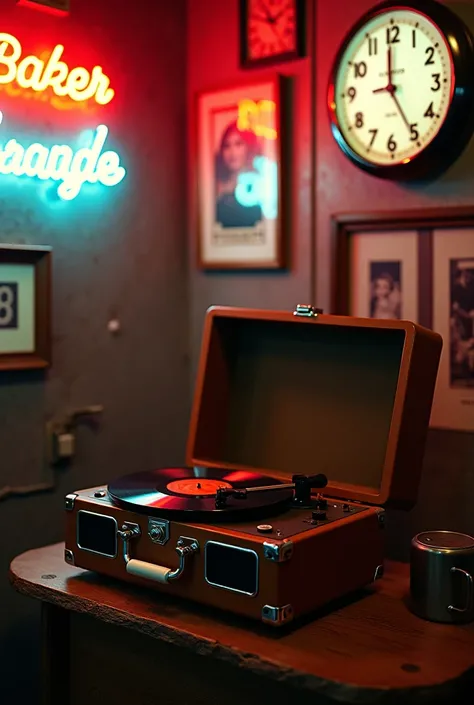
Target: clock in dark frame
x,y
401,90
271,31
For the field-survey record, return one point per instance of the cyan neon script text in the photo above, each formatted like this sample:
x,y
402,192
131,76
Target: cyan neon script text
x,y
59,162
260,187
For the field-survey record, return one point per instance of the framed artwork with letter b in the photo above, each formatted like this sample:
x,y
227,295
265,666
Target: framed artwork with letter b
x,y
25,307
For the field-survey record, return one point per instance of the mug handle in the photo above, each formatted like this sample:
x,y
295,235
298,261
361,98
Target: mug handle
x,y
470,591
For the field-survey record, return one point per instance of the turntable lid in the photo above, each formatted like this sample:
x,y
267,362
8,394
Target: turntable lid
x,y
350,397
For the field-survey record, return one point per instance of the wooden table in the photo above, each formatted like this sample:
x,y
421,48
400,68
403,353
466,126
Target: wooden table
x,y
109,642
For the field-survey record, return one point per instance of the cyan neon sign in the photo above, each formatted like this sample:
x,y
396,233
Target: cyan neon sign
x,y
59,162
260,187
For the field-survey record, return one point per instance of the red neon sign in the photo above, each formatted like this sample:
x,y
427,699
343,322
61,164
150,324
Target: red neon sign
x,y
37,74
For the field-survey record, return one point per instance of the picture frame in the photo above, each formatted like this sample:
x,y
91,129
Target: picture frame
x,y
453,318
436,250
242,173
25,307
263,37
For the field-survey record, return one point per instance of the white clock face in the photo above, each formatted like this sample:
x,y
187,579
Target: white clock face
x,y
393,87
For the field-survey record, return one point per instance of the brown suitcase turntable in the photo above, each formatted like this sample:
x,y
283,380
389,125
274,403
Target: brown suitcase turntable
x,y
304,428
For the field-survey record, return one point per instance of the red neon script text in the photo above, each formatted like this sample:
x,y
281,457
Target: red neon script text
x,y
31,72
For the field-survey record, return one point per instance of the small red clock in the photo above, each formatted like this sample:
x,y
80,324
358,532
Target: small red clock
x,y
271,31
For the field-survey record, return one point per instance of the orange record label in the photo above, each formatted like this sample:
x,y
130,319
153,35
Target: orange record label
x,y
195,487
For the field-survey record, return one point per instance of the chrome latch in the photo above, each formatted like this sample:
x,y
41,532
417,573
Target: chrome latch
x,y
278,552
159,530
307,310
277,615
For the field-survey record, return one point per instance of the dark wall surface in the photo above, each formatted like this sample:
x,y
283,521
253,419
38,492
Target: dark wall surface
x,y
118,253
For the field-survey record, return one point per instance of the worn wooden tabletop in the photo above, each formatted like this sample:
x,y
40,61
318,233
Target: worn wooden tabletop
x,y
369,648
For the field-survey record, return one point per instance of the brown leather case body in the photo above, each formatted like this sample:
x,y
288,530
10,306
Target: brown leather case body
x,y
283,393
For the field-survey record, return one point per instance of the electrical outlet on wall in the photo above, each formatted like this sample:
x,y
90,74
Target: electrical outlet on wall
x,y
60,433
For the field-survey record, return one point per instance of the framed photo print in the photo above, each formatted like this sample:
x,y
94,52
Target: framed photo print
x,y
383,275
240,171
25,328
453,318
417,265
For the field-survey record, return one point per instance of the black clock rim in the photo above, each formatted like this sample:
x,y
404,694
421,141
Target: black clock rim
x,y
300,51
458,125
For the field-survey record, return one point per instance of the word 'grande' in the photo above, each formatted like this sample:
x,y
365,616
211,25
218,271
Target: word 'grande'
x,y
33,72
60,163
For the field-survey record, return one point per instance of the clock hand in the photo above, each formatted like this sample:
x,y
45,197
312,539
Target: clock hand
x,y
389,87
400,109
278,15
266,11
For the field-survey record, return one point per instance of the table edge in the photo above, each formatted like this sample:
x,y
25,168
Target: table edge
x,y
252,662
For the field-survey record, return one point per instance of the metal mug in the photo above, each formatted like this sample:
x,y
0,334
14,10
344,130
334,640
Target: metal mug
x,y
441,582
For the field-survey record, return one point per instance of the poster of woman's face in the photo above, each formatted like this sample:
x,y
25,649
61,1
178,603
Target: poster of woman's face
x,y
237,153
453,318
239,164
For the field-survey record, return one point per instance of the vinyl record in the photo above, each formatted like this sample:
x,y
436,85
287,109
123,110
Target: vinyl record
x,y
190,493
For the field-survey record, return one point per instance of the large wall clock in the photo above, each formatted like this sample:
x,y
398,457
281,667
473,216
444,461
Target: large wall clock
x,y
401,91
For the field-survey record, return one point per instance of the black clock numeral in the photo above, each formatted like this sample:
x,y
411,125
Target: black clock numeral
x,y
413,38
359,120
414,134
391,144
374,135
360,69
437,85
373,46
392,34
430,51
351,92
429,112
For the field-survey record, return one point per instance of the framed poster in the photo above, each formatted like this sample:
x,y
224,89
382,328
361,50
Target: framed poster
x,y
453,318
241,166
25,327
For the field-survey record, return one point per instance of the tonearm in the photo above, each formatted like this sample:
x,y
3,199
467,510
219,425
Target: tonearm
x,y
301,484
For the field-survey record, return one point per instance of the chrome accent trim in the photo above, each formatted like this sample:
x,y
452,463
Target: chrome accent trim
x,y
69,556
378,572
128,531
236,548
185,546
278,552
104,516
69,501
277,615
159,530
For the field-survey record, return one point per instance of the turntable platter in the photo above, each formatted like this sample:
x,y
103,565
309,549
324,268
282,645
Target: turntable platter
x,y
190,493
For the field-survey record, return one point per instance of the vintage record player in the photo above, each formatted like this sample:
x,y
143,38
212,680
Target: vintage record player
x,y
304,428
